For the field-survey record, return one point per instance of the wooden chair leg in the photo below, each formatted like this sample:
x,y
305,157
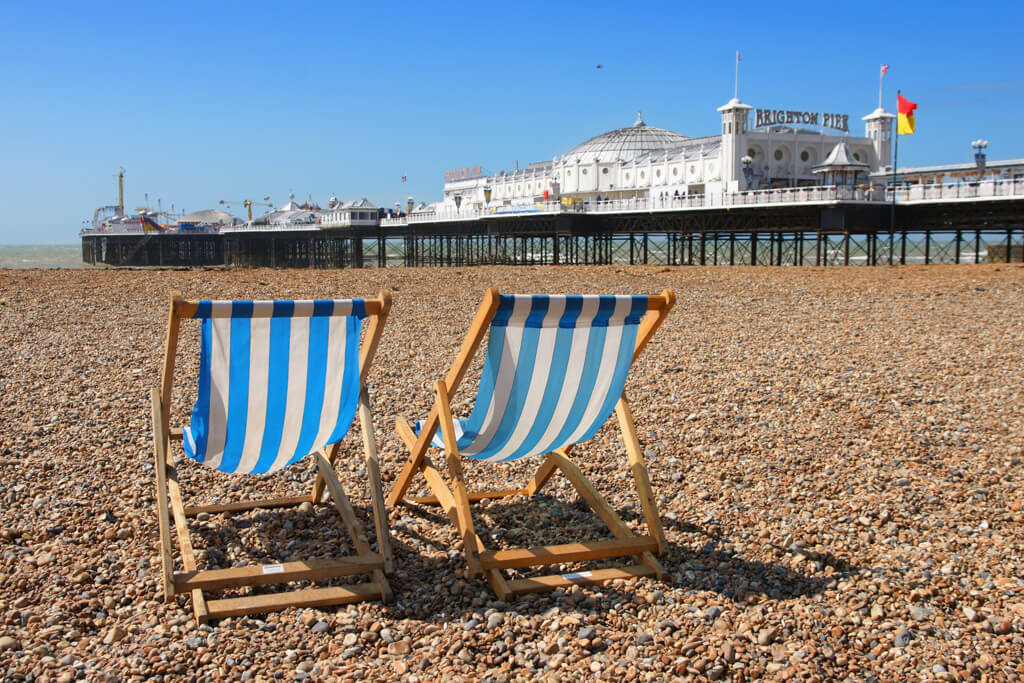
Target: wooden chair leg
x,y
318,484
533,486
163,514
498,584
652,562
417,451
538,480
348,516
643,482
441,492
593,497
469,537
444,497
188,556
380,513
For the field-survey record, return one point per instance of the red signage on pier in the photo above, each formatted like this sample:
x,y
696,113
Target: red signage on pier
x,y
462,173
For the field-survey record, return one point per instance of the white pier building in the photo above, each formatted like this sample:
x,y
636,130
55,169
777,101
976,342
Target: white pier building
x,y
757,149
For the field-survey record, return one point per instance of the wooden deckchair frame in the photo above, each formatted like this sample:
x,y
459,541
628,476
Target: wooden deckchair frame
x,y
170,504
456,500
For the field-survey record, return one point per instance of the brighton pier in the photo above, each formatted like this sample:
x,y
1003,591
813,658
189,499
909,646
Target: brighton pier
x,y
968,223
770,193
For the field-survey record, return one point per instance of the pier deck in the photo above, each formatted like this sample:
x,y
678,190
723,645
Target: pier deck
x,y
963,223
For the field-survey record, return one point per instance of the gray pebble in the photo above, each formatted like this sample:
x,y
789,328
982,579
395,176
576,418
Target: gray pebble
x,y
920,612
903,638
767,636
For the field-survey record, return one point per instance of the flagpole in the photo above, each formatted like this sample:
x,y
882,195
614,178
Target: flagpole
x,y
895,161
881,75
736,83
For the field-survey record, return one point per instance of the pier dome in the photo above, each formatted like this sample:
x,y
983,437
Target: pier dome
x,y
626,144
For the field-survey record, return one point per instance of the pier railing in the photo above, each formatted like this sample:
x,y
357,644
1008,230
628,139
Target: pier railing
x,y
789,195
138,230
272,227
990,189
1003,188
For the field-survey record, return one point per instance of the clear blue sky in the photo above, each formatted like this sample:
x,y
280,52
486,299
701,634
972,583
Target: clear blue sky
x,y
202,102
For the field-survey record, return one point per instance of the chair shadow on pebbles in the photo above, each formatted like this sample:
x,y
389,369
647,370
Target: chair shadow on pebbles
x,y
691,566
268,536
738,578
518,521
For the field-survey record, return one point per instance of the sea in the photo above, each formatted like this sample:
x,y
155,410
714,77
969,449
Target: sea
x,y
42,256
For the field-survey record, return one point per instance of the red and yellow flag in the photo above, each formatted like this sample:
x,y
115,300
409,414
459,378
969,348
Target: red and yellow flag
x,y
905,123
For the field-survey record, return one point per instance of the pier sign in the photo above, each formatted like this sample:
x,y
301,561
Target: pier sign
x,y
462,173
781,117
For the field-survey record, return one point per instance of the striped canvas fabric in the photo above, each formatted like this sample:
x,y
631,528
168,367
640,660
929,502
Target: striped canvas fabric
x,y
278,380
554,370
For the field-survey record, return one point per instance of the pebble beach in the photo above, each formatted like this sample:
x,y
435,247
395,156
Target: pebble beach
x,y
837,456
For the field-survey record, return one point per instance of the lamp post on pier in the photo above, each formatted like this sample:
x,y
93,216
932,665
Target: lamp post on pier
x,y
748,172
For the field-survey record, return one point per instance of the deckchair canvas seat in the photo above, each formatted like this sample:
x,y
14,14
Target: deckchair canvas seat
x,y
278,381
554,371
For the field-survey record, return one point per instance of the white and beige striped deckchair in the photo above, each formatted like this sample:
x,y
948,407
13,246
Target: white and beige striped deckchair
x,y
554,370
278,380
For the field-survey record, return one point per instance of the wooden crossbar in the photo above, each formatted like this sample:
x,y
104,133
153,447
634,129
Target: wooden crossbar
x,y
242,505
261,575
187,309
569,552
474,496
310,597
541,584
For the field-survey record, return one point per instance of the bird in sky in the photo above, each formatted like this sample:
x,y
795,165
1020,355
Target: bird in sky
x,y
599,66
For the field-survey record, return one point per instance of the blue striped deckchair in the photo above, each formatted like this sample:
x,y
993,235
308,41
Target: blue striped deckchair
x,y
554,371
278,381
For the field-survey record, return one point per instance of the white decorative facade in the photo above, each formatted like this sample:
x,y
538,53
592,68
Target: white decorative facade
x,y
774,150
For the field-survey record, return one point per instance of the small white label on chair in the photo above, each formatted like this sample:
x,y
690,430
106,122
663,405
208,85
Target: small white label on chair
x,y
273,569
576,575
